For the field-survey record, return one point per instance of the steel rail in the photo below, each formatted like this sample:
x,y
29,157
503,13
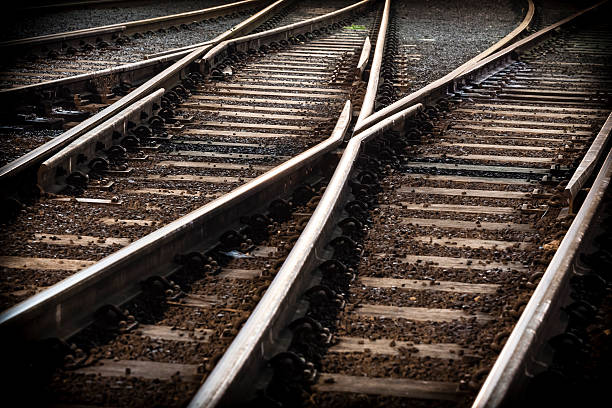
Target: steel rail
x,y
164,79
131,27
255,343
438,88
588,163
367,107
67,157
60,38
364,57
313,20
220,51
543,309
85,146
257,340
64,308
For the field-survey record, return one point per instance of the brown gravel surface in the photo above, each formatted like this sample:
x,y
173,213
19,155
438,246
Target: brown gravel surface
x,y
435,37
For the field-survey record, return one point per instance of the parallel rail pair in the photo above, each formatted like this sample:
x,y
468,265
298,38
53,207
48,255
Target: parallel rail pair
x,y
258,334
234,365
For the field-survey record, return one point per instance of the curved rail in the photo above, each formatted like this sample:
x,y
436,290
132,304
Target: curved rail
x,y
435,87
138,71
255,342
46,314
245,357
543,307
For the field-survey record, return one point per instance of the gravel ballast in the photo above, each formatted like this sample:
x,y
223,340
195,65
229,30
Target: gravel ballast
x,y
29,23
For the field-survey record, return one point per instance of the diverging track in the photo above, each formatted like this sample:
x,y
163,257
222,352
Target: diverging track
x,y
207,142
429,239
401,276
205,132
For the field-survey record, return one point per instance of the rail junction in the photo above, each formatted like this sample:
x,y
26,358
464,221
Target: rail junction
x,y
274,203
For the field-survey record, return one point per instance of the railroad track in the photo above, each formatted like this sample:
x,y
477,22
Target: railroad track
x,y
49,57
39,119
462,231
462,225
214,138
340,316
71,104
215,134
35,117
91,50
440,245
